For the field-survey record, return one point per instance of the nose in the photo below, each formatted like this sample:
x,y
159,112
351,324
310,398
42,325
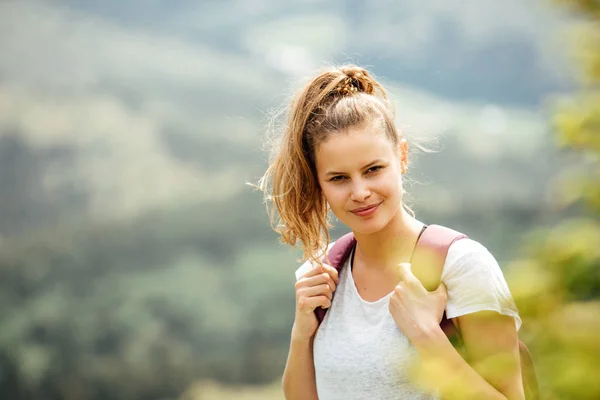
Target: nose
x,y
360,191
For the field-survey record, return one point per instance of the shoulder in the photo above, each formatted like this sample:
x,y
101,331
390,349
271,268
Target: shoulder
x,y
468,254
307,265
466,247
475,282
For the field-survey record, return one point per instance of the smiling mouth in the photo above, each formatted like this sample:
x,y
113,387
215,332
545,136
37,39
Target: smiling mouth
x,y
365,210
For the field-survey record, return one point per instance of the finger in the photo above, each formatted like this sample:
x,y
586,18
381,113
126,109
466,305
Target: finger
x,y
441,290
328,269
315,270
405,271
396,301
332,272
324,268
320,290
409,280
323,278
308,304
398,292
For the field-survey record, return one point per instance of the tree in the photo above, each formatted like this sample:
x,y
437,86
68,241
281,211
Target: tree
x,y
557,285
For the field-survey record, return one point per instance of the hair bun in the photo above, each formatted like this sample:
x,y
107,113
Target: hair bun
x,y
356,80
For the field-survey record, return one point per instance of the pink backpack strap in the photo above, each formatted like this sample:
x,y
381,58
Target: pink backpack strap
x,y
428,262
430,254
432,248
427,259
336,257
340,251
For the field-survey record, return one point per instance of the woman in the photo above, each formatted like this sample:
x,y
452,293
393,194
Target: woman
x,y
341,152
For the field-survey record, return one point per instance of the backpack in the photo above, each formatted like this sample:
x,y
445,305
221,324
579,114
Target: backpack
x,y
431,249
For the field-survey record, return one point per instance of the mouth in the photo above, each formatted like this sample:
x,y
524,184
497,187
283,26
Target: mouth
x,y
367,210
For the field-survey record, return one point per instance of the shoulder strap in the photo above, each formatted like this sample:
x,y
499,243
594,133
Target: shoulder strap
x,y
432,248
430,254
428,257
336,257
339,252
428,262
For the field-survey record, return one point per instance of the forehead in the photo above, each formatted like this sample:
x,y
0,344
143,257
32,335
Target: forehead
x,y
353,148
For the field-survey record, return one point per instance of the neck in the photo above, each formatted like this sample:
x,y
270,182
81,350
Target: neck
x,y
391,245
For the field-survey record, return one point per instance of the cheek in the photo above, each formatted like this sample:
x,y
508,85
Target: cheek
x,y
334,195
337,196
391,185
399,186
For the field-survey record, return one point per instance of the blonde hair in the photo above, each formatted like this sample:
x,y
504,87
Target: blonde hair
x,y
333,101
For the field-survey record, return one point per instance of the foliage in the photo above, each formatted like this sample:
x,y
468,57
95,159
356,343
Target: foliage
x,y
141,307
557,287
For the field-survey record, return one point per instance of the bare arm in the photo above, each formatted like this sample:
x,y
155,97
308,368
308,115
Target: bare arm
x,y
490,338
314,289
492,345
299,375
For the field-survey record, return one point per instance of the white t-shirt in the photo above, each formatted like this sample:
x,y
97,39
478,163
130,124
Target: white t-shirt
x,y
359,352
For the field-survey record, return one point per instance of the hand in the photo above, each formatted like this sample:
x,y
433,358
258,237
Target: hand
x,y
313,289
415,310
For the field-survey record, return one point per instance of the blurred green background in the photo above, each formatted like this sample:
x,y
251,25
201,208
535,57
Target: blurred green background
x,y
135,262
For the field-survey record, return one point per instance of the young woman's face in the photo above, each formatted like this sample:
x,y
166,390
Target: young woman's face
x,y
360,173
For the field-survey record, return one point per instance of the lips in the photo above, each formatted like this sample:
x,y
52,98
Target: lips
x,y
366,211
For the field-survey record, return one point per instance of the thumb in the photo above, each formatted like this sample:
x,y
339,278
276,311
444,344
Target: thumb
x,y
405,271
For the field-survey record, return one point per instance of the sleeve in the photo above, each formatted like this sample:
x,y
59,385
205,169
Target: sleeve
x,y
475,282
307,265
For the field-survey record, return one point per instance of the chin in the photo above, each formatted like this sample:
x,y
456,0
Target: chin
x,y
367,226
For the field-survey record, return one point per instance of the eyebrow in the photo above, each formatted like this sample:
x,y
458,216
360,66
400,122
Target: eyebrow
x,y
378,161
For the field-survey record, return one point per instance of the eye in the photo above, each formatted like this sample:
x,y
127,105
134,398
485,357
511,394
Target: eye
x,y
374,168
337,178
